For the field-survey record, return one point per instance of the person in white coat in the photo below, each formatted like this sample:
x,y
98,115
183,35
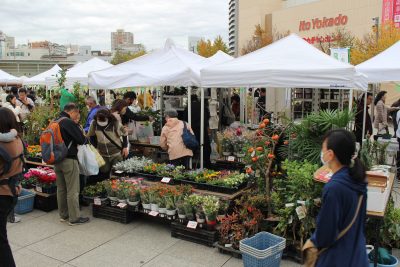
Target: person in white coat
x,y
11,103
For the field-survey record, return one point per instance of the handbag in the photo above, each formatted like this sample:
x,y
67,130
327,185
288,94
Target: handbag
x,y
87,161
311,253
100,160
189,139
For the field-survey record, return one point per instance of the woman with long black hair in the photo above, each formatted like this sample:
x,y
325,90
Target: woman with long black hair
x,y
11,164
339,236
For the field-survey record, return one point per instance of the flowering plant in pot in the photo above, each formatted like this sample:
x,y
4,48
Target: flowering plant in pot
x,y
145,197
153,198
111,187
134,164
180,205
45,179
133,196
123,192
162,204
222,209
210,207
29,181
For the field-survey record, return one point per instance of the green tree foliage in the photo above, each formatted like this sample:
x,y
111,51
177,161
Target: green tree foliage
x,y
121,57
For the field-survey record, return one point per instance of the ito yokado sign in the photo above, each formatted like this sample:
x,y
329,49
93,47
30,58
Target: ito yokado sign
x,y
391,12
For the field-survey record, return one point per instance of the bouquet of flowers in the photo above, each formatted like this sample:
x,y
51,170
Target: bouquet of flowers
x,y
45,178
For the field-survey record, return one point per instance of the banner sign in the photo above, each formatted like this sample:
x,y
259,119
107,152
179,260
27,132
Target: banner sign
x,y
341,54
391,12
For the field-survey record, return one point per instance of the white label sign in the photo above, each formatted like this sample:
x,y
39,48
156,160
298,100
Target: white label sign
x,y
231,158
39,189
122,205
97,201
165,180
118,172
192,224
153,213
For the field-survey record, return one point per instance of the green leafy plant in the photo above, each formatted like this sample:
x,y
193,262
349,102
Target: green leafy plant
x,y
37,122
306,137
97,190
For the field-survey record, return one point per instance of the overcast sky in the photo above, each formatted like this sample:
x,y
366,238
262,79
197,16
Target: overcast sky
x,y
90,22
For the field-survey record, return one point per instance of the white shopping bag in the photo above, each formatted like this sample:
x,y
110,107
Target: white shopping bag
x,y
132,131
87,161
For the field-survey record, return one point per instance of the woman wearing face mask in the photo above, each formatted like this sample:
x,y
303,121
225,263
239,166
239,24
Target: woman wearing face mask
x,y
339,235
110,138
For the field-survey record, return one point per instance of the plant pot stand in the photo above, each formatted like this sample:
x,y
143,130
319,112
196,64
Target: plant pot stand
x,y
45,202
115,214
229,251
200,236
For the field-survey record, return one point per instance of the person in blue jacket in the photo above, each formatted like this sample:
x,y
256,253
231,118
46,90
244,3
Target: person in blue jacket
x,y
340,199
93,108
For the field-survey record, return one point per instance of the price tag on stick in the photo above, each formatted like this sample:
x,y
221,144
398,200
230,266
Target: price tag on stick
x,y
165,180
122,205
39,189
192,225
231,158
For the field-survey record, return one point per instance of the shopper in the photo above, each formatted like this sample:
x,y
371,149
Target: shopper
x,y
119,109
261,105
92,106
67,171
235,99
9,181
171,139
196,127
110,138
393,114
381,117
339,234
360,117
11,104
26,104
130,98
66,97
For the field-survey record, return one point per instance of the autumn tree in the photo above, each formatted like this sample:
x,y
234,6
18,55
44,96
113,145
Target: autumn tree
x,y
120,57
207,48
372,44
341,37
261,38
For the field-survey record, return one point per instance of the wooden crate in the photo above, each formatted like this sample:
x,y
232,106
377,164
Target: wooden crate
x,y
115,214
199,236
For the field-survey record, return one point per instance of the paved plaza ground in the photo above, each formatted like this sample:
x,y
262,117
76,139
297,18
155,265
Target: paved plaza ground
x,y
41,240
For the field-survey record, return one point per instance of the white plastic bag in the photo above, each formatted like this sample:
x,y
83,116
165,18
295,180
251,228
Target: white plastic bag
x,y
87,161
132,131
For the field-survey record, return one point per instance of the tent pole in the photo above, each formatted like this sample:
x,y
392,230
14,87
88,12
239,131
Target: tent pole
x,y
253,107
242,105
189,105
202,128
364,116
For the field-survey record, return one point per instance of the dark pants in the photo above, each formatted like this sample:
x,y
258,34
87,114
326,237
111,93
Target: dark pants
x,y
184,161
6,257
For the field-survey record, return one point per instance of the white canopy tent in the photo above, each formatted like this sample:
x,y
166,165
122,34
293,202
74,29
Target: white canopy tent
x,y
289,62
40,79
171,65
80,72
384,67
7,78
218,58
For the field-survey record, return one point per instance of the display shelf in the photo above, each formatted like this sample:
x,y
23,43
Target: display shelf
x,y
200,236
115,214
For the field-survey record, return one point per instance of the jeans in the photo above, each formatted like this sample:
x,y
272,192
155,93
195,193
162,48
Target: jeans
x,y
6,257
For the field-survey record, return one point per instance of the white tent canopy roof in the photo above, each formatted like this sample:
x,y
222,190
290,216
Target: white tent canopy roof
x,y
218,58
168,66
8,78
80,72
384,67
289,62
40,79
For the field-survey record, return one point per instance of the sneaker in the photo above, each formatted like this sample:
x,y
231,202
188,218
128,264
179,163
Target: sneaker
x,y
81,220
63,220
14,219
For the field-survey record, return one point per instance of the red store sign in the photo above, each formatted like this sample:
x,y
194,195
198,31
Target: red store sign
x,y
325,22
391,12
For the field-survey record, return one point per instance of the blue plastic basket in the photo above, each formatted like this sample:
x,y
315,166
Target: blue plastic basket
x,y
263,249
25,202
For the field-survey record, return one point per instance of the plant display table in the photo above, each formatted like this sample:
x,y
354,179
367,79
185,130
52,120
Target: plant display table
x,y
45,202
200,236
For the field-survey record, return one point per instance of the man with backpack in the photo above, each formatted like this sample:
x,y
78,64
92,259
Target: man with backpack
x,y
67,170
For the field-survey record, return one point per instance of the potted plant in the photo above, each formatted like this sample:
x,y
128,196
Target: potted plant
x,y
153,197
29,181
122,194
170,205
200,216
226,147
222,210
145,197
180,205
133,196
210,208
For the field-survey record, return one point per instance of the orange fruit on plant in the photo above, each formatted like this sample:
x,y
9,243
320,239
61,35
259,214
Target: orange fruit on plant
x,y
259,148
251,150
254,159
262,125
267,143
275,137
286,142
249,170
266,121
271,156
